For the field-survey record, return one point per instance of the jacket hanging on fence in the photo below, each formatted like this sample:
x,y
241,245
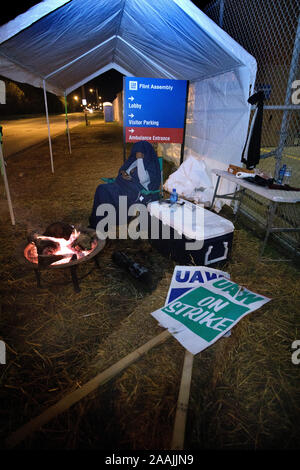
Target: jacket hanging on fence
x,y
251,152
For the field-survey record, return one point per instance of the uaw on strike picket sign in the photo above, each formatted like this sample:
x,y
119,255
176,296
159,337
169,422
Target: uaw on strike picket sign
x,y
186,278
204,314
154,109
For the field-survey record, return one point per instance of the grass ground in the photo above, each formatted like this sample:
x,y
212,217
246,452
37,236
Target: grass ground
x,y
245,388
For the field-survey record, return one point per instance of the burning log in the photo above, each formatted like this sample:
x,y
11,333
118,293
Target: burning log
x,y
45,249
59,230
45,246
70,245
45,252
84,241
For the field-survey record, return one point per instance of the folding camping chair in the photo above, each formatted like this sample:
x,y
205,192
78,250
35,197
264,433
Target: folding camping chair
x,y
146,192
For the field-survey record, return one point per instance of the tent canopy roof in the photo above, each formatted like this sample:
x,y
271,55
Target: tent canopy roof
x,y
67,43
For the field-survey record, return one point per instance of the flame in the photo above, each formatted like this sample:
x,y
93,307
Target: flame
x,y
65,248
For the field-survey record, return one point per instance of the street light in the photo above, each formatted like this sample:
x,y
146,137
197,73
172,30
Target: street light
x,y
94,95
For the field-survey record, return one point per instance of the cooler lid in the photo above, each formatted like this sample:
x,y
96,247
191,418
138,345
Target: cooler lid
x,y
191,220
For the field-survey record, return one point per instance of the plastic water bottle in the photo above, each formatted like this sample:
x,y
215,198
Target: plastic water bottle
x,y
287,175
173,197
281,174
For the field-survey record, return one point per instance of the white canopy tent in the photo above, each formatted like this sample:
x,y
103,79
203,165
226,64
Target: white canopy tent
x,y
60,45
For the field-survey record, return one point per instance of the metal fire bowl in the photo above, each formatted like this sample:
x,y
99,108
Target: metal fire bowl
x,y
99,247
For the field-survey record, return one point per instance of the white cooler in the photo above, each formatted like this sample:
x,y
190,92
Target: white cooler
x,y
189,234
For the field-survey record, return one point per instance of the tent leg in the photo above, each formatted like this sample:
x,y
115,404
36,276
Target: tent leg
x,y
184,127
49,136
2,165
67,124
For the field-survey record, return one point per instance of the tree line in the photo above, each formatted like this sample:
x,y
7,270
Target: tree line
x,y
22,98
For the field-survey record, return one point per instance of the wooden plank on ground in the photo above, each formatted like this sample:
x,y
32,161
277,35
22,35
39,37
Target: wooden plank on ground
x,y
182,403
73,397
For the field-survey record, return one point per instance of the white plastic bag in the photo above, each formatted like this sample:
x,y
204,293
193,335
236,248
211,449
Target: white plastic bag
x,y
191,181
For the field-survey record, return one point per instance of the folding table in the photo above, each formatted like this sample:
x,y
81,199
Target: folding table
x,y
274,196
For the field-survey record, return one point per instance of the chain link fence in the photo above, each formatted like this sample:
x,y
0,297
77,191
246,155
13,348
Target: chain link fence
x,y
270,31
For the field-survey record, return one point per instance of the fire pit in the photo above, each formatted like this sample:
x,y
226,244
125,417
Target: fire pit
x,y
61,246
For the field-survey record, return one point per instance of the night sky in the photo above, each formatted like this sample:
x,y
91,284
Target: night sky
x,y
11,9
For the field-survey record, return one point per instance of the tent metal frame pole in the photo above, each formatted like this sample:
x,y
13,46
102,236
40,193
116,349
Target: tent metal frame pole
x,y
100,71
79,57
148,60
67,124
185,114
48,124
2,165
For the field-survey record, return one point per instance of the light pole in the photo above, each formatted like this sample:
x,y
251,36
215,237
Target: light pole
x,y
98,98
91,90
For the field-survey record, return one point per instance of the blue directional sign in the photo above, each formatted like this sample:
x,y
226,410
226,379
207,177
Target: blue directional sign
x,y
154,109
